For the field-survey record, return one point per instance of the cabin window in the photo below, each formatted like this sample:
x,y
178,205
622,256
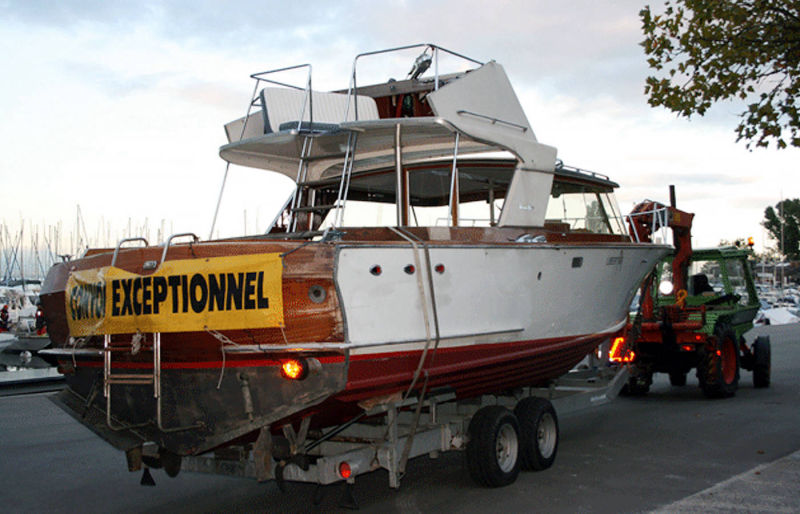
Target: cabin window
x,y
738,280
584,209
371,198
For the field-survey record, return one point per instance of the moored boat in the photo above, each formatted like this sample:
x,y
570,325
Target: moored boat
x,y
432,242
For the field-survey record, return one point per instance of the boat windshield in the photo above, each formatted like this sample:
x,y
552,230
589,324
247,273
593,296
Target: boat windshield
x,y
479,193
584,208
481,189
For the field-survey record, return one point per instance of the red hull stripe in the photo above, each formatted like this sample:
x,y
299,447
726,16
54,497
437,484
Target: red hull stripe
x,y
486,354
229,363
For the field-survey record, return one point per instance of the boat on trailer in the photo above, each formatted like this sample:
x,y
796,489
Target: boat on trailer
x,y
432,246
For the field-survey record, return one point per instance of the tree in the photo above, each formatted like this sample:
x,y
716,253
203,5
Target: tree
x,y
788,212
705,51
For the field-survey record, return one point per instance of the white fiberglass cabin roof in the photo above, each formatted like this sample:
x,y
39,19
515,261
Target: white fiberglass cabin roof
x,y
422,139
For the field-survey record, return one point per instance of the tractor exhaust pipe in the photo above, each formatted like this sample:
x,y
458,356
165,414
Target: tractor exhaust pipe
x,y
672,196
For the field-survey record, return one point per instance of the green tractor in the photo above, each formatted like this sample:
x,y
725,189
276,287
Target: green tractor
x,y
694,310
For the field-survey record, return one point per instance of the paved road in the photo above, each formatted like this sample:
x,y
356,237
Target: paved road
x,y
673,450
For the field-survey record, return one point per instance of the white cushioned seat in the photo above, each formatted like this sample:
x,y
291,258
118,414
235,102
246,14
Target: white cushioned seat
x,y
283,106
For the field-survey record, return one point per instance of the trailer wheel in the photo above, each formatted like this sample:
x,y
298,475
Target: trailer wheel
x,y
638,384
493,448
170,461
677,378
718,372
762,364
538,425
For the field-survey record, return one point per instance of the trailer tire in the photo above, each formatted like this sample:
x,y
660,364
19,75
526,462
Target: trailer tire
x,y
637,385
493,448
677,378
762,364
718,371
170,461
538,425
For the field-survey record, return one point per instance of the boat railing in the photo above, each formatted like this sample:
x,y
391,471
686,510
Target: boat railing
x,y
463,222
421,65
256,99
169,241
561,166
126,240
429,56
659,220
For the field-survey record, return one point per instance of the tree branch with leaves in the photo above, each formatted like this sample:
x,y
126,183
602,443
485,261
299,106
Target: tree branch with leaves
x,y
705,51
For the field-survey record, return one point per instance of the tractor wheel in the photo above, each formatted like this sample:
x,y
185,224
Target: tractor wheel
x,y
718,371
493,447
762,364
538,425
677,378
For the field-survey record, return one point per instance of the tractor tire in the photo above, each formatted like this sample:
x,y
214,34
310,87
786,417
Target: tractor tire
x,y
762,364
677,378
493,448
538,425
718,371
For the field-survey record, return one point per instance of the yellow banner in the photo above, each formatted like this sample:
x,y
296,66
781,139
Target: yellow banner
x,y
220,293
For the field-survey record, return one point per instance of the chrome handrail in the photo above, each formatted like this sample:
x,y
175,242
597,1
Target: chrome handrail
x,y
493,120
659,220
126,240
259,77
169,240
351,91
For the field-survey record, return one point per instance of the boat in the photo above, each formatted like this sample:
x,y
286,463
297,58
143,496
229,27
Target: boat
x,y
20,300
431,243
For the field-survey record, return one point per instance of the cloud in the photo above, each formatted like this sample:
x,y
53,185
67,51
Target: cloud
x,y
119,106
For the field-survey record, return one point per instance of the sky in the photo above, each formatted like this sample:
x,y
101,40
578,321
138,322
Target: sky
x,y
115,109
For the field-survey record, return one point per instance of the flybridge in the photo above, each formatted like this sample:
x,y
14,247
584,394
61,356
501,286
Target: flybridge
x,y
318,137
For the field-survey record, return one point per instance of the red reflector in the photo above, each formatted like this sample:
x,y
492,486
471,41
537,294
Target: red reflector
x,y
439,268
719,353
687,348
376,270
698,337
294,369
409,269
344,469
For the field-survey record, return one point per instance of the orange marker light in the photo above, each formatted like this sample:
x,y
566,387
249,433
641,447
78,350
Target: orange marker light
x,y
616,348
687,348
294,369
344,469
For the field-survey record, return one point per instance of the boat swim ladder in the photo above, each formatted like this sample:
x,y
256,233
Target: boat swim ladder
x,y
137,344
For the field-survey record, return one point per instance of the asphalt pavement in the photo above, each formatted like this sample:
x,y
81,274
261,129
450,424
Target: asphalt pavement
x,y
670,451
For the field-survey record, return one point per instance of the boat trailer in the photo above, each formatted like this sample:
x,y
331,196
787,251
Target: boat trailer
x,y
389,434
